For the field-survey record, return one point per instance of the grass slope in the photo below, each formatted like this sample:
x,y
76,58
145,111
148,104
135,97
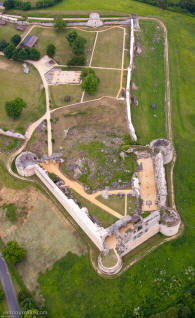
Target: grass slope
x,y
149,76
15,83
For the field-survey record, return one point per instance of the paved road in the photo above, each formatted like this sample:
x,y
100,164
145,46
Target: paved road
x,y
8,289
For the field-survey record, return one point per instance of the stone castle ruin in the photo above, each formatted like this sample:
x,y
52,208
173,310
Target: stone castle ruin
x,y
130,231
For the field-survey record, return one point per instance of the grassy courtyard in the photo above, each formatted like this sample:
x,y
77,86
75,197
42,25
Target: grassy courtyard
x,y
8,30
109,84
149,77
63,50
57,94
15,83
114,202
109,48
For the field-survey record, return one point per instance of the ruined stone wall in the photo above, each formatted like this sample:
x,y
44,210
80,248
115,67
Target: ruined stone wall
x,y
12,134
160,179
169,230
80,215
110,270
129,74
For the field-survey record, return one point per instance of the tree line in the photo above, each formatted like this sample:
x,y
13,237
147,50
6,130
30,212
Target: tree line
x,y
27,5
11,51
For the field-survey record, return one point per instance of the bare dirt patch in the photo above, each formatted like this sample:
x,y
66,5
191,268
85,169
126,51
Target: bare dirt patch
x,y
90,137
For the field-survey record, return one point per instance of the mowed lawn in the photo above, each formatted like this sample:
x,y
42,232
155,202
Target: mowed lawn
x,y
46,239
149,77
57,94
109,48
63,50
114,202
14,83
8,30
109,84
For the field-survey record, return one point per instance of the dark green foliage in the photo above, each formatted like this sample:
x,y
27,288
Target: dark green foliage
x,y
34,54
13,253
87,71
10,211
2,295
77,61
51,50
188,5
14,107
9,51
26,5
90,83
59,25
72,36
78,46
9,4
3,45
16,39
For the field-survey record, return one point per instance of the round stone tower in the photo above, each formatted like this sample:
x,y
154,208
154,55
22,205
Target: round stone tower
x,y
165,147
25,163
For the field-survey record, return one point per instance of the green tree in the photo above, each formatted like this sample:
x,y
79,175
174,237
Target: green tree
x,y
77,61
51,50
59,25
16,39
86,71
13,253
9,4
9,51
3,45
72,36
34,54
14,107
90,84
78,46
188,4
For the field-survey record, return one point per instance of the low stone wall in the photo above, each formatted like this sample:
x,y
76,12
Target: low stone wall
x,y
12,134
80,215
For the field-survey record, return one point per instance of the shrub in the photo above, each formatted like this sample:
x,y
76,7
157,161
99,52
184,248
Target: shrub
x,y
59,25
51,50
11,211
78,46
77,61
87,71
14,107
90,83
71,37
16,39
13,253
9,50
3,45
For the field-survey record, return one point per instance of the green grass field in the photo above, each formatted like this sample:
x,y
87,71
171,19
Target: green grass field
x,y
109,47
138,287
114,202
149,77
15,83
63,50
7,31
57,94
109,84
